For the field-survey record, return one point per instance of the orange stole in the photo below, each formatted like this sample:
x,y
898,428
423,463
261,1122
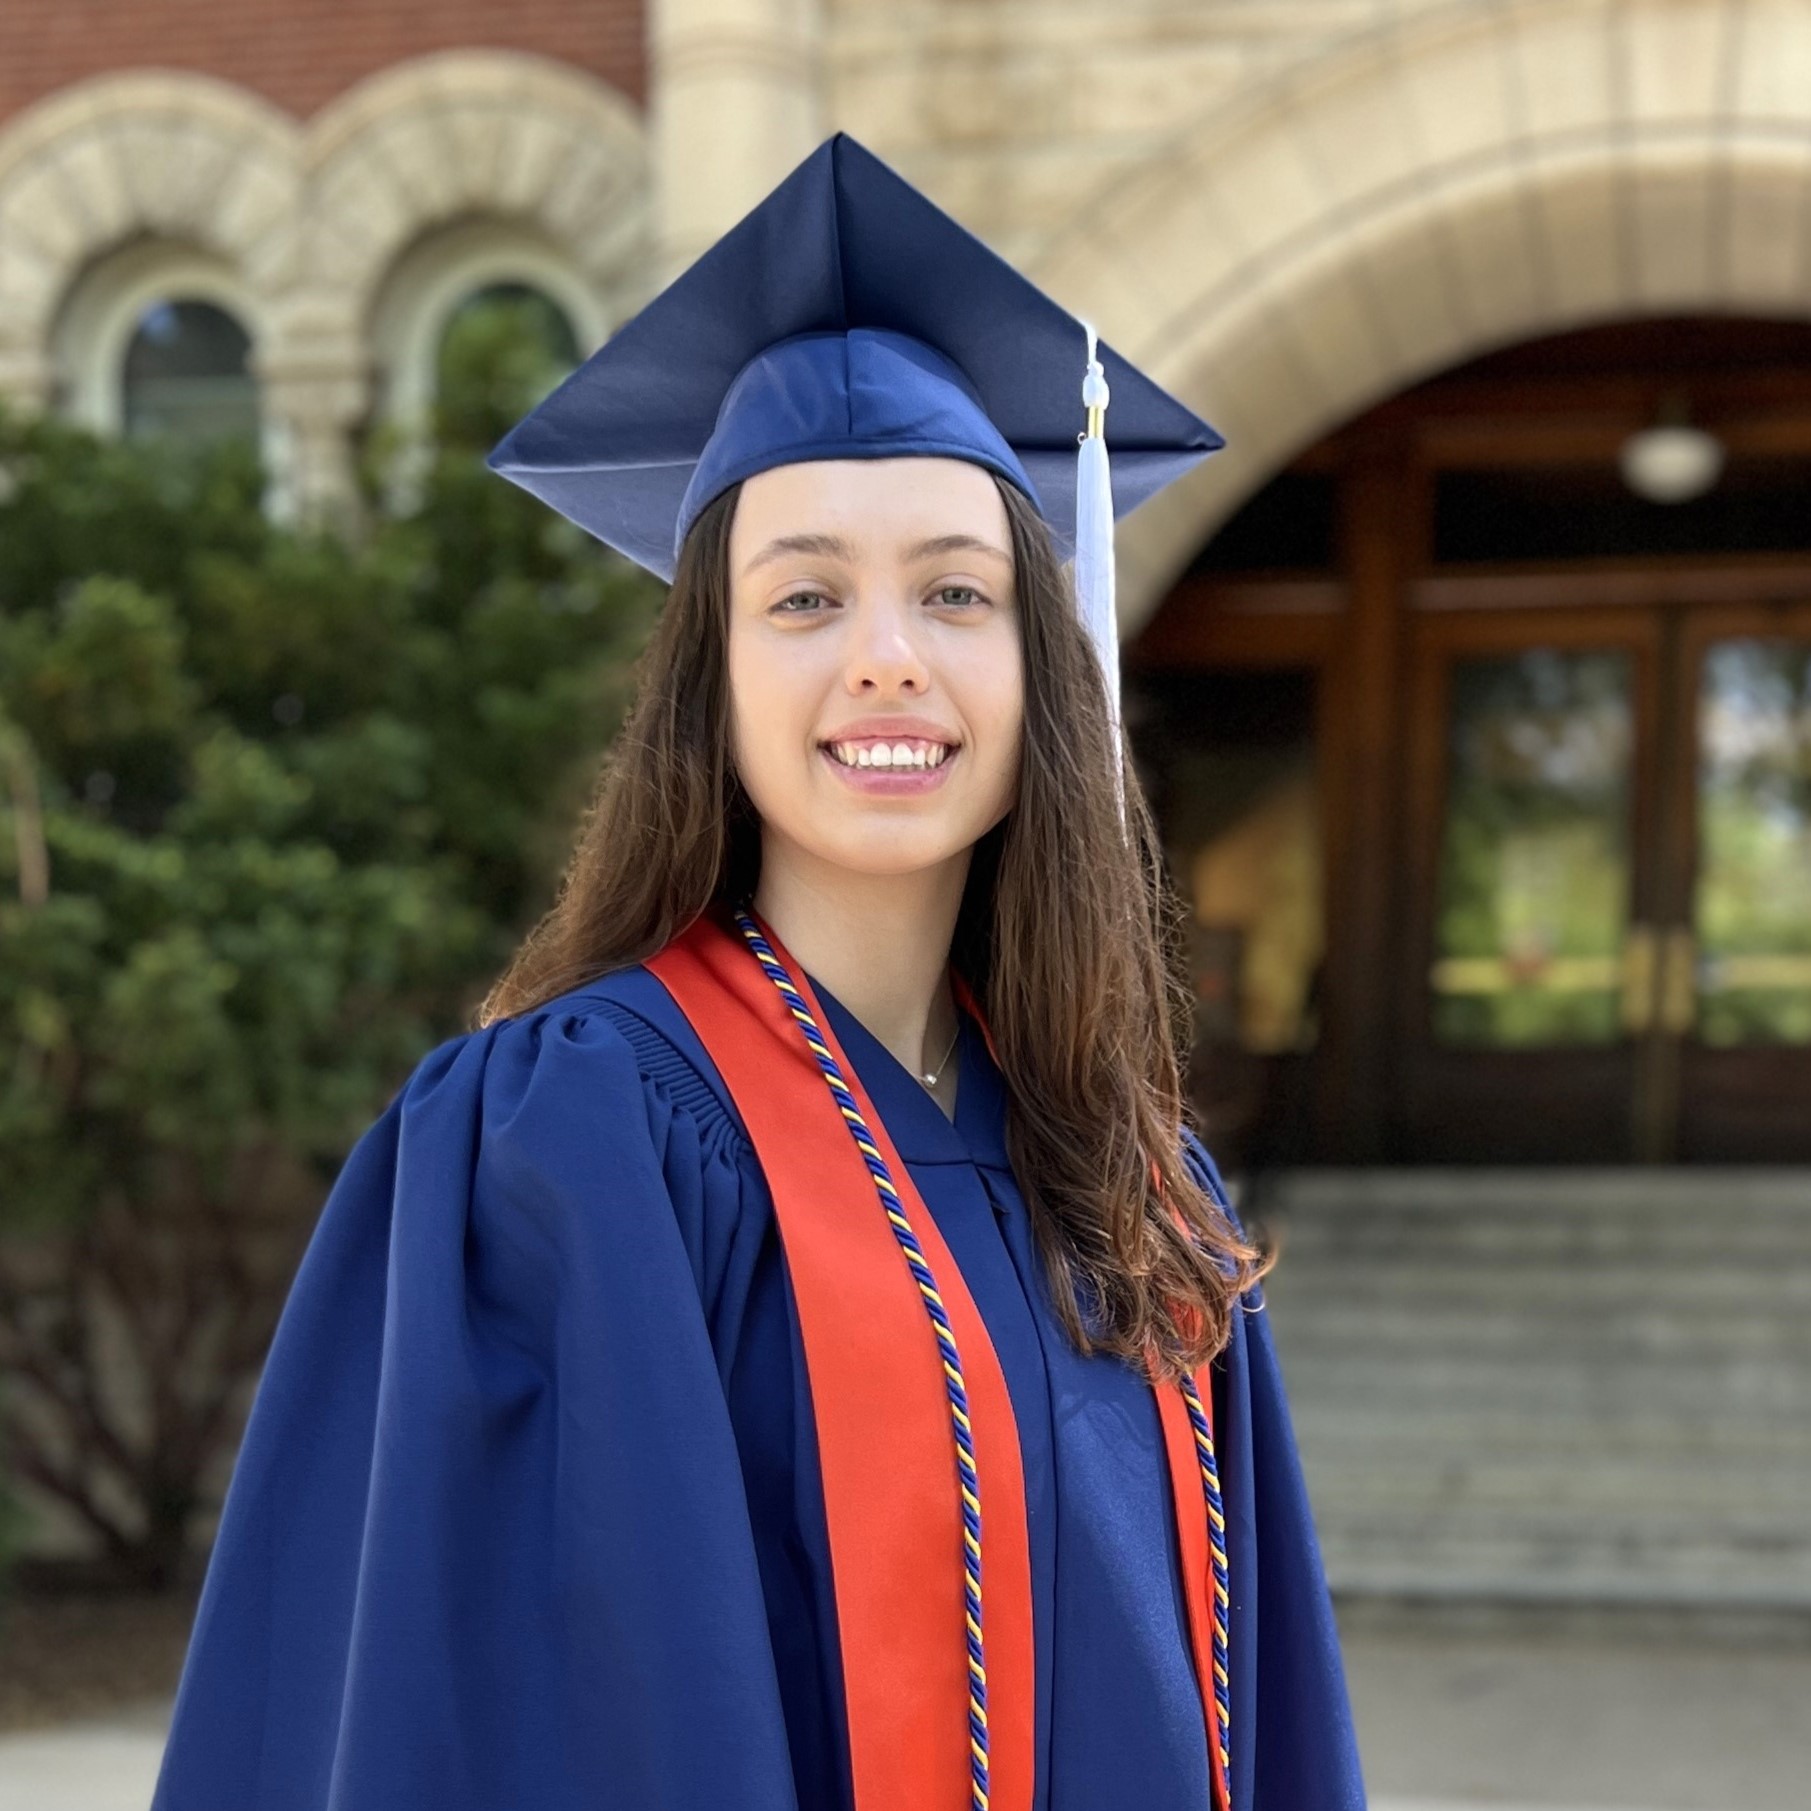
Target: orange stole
x,y
880,1404
882,1412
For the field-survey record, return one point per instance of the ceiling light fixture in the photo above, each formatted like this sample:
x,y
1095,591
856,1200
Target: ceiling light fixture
x,y
1671,461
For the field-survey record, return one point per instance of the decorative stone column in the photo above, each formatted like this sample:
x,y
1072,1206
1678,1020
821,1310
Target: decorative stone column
x,y
315,387
736,99
27,378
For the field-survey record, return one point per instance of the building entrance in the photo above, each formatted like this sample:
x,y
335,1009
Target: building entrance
x,y
1487,775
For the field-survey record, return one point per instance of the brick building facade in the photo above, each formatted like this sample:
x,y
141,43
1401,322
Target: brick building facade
x,y
301,54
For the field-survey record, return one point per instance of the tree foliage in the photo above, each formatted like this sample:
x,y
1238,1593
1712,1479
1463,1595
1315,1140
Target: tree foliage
x,y
274,804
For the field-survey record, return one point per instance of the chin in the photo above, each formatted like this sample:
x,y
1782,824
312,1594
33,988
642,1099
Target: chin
x,y
882,850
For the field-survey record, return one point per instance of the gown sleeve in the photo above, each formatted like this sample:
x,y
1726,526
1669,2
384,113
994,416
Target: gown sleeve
x,y
1293,1739
487,1542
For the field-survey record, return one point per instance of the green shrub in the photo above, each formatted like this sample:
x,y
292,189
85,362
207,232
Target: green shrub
x,y
274,805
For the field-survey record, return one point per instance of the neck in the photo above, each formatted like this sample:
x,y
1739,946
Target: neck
x,y
879,942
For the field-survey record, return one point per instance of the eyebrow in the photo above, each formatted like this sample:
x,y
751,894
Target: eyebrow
x,y
835,547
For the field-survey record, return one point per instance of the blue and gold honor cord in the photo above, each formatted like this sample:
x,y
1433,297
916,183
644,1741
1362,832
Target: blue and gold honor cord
x,y
954,1387
957,1392
1216,1548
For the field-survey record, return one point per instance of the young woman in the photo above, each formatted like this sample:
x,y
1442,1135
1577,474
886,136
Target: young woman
x,y
793,1355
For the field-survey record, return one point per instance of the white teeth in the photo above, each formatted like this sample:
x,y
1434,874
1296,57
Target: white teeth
x,y
895,754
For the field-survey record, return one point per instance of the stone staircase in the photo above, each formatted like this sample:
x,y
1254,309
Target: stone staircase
x,y
1576,1387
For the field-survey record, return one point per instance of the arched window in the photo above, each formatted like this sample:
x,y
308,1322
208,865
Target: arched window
x,y
187,373
503,347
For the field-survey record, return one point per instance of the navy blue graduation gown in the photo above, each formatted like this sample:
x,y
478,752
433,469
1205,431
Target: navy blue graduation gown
x,y
528,1513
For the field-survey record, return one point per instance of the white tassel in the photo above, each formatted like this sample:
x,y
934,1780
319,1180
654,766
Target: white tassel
x,y
1094,580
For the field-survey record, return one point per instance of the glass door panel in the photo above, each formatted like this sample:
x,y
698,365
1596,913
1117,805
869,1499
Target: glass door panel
x,y
1229,759
1527,945
1734,988
1534,876
1751,904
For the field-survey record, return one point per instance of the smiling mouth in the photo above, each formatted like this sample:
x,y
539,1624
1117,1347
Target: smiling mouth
x,y
891,757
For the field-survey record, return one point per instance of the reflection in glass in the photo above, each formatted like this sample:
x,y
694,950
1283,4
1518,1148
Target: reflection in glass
x,y
1255,883
187,373
1229,761
1752,909
1534,864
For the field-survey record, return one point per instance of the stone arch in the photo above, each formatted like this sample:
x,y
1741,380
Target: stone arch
x,y
308,221
459,135
523,148
1429,190
96,322
423,287
153,155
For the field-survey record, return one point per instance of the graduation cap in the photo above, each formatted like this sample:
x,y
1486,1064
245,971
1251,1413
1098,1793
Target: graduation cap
x,y
846,316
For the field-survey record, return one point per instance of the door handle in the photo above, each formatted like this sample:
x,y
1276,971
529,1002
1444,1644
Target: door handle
x,y
1679,982
1640,960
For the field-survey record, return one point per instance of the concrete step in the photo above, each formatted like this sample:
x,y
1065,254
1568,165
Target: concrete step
x,y
1565,1385
1729,1377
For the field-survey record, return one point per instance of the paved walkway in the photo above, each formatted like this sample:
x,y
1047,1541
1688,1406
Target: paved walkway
x,y
1449,1722
1663,1721
113,1766
100,1766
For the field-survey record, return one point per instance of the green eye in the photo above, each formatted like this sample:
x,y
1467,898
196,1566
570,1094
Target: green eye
x,y
783,606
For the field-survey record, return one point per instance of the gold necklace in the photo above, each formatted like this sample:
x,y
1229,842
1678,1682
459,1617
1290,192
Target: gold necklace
x,y
929,1077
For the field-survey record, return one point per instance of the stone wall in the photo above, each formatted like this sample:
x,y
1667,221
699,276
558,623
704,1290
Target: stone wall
x,y
1013,113
1285,211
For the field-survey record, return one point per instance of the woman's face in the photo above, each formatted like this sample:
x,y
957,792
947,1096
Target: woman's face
x,y
876,683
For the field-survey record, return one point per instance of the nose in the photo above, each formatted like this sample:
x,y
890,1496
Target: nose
x,y
885,652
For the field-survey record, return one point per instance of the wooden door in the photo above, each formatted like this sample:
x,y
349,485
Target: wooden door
x,y
1608,914
1534,791
1730,1064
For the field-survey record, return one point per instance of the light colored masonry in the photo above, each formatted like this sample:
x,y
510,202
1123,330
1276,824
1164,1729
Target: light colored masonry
x,y
1285,209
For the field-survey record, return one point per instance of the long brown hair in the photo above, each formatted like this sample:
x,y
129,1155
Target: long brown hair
x,y
1081,981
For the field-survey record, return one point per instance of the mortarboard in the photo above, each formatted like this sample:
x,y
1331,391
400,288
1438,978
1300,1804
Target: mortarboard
x,y
847,316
